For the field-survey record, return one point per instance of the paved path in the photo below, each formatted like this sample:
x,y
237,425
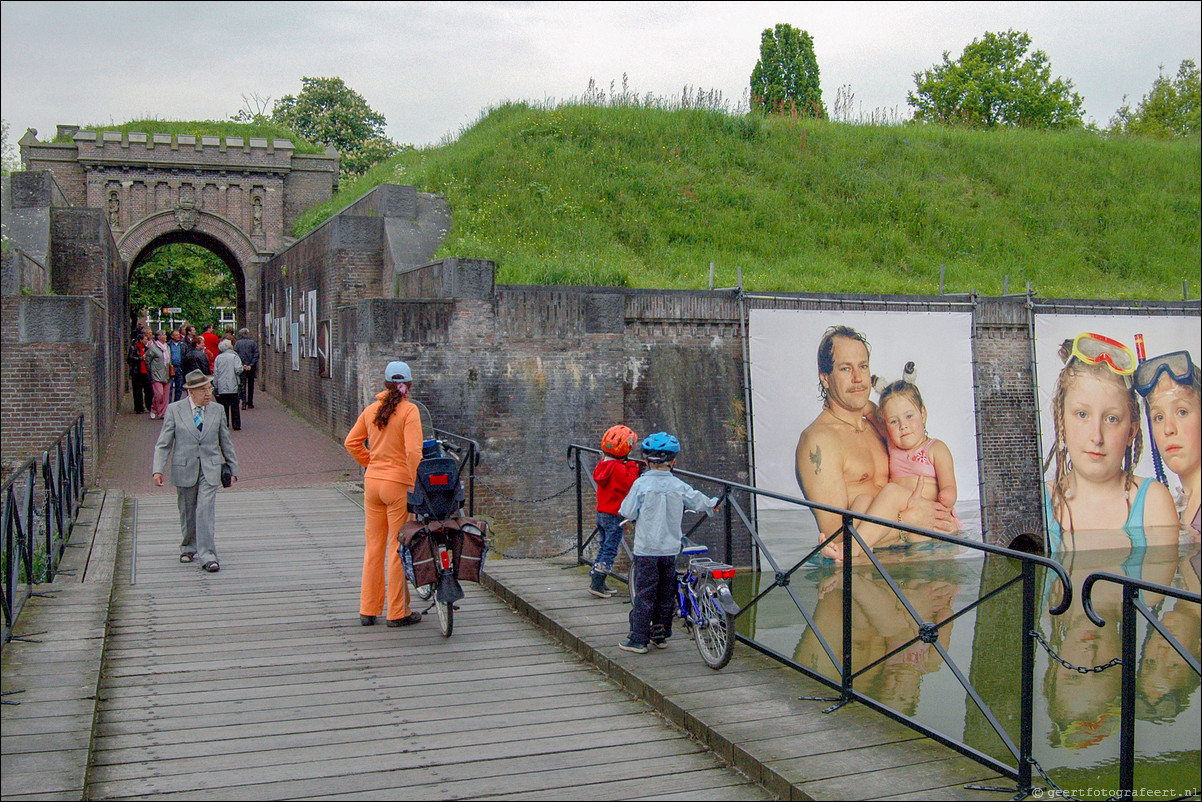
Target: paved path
x,y
276,448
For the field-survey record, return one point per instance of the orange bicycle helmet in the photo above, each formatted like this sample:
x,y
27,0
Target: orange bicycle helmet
x,y
618,440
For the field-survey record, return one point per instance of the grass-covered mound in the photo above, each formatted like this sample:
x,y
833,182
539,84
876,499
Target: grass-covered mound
x,y
645,197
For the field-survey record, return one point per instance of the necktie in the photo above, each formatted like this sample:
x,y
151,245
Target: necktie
x,y
198,417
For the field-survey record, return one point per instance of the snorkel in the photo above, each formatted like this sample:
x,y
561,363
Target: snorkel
x,y
1141,355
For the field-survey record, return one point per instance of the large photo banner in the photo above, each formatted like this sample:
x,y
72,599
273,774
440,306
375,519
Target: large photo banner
x,y
1102,394
786,396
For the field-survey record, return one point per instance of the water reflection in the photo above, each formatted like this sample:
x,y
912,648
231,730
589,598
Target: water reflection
x,y
1077,713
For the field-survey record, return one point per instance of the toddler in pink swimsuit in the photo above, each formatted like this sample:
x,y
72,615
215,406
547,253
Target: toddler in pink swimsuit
x,y
914,458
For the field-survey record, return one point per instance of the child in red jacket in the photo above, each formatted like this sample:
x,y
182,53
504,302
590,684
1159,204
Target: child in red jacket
x,y
614,475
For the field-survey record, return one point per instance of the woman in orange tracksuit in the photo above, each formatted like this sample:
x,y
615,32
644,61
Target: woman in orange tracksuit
x,y
387,440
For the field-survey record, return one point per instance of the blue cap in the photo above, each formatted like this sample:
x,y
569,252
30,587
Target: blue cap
x,y
397,372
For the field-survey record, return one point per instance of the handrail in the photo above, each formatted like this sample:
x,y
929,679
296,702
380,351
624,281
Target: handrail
x,y
63,478
18,541
1021,770
1127,629
62,489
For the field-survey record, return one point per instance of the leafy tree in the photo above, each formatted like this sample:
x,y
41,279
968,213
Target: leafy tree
x,y
1171,108
8,154
786,76
995,83
329,111
184,275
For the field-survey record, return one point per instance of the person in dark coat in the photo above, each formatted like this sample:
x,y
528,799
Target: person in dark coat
x,y
196,358
248,351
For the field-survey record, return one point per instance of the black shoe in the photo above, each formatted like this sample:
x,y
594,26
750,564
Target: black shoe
x,y
366,620
212,567
187,558
412,618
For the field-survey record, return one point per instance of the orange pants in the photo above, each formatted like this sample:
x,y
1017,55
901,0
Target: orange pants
x,y
385,507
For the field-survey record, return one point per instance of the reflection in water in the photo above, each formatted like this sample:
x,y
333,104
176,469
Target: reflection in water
x,y
881,628
1077,714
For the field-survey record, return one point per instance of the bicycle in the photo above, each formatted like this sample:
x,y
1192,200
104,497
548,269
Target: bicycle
x,y
704,603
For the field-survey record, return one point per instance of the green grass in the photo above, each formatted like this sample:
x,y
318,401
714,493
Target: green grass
x,y
198,128
646,197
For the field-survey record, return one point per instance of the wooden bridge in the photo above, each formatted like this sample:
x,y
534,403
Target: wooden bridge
x,y
153,680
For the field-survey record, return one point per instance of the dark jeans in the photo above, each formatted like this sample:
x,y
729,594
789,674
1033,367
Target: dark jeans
x,y
610,537
177,385
246,388
143,393
654,600
233,412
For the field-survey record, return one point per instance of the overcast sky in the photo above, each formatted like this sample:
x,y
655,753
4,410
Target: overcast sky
x,y
433,68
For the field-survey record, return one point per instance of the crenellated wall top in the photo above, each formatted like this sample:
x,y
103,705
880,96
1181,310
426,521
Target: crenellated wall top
x,y
184,151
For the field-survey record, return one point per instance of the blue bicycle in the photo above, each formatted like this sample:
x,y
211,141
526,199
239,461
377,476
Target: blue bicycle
x,y
704,603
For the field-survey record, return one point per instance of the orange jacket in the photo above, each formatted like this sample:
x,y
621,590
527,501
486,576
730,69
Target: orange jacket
x,y
391,454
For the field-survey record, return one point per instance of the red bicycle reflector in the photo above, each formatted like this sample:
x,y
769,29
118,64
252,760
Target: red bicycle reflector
x,y
723,573
444,557
439,479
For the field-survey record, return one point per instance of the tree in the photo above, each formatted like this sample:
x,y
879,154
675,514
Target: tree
x,y
8,154
786,76
1171,107
993,84
327,110
188,276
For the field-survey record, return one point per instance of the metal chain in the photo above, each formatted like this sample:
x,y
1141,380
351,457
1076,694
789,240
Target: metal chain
x,y
1056,791
1118,661
508,497
507,556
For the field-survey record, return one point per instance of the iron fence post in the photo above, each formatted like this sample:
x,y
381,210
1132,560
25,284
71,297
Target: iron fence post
x,y
1127,715
728,523
579,511
845,681
1027,691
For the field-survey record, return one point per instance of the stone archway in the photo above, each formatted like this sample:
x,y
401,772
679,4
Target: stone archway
x,y
209,231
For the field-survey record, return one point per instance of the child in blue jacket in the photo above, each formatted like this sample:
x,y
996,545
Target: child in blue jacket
x,y
657,501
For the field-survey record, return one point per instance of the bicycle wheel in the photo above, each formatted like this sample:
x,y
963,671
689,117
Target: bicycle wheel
x,y
630,582
446,617
713,630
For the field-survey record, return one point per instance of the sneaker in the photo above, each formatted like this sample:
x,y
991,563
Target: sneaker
x,y
659,643
413,618
630,646
598,588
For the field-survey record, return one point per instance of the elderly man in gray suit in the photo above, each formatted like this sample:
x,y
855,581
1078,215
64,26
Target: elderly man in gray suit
x,y
197,439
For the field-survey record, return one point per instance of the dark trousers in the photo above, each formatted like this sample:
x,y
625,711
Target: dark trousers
x,y
654,600
233,412
143,393
247,387
177,385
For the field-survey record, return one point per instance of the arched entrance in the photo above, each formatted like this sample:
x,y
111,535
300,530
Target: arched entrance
x,y
210,232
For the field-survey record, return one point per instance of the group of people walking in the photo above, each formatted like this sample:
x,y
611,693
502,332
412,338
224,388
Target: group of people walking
x,y
159,363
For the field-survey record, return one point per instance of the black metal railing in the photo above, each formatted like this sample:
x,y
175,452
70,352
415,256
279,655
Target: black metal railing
x,y
27,558
1020,749
1132,605
18,517
469,461
63,480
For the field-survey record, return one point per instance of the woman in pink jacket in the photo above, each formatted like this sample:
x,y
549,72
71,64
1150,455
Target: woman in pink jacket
x,y
387,440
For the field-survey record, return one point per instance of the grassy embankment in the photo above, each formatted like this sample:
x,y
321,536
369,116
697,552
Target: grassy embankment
x,y
648,198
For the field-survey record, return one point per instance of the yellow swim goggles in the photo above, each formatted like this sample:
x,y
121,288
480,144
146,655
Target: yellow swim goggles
x,y
1098,350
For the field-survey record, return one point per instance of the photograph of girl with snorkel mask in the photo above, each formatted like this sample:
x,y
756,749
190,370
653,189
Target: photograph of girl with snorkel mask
x,y
1119,418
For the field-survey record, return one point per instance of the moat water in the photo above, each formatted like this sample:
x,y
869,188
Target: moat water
x,y
1076,717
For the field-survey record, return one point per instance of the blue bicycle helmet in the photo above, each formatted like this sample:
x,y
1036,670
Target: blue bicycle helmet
x,y
660,447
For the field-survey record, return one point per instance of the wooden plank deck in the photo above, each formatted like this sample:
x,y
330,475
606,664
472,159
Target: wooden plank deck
x,y
749,712
52,677
258,682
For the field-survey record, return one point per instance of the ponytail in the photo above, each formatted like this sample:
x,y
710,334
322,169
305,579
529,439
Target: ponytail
x,y
396,394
